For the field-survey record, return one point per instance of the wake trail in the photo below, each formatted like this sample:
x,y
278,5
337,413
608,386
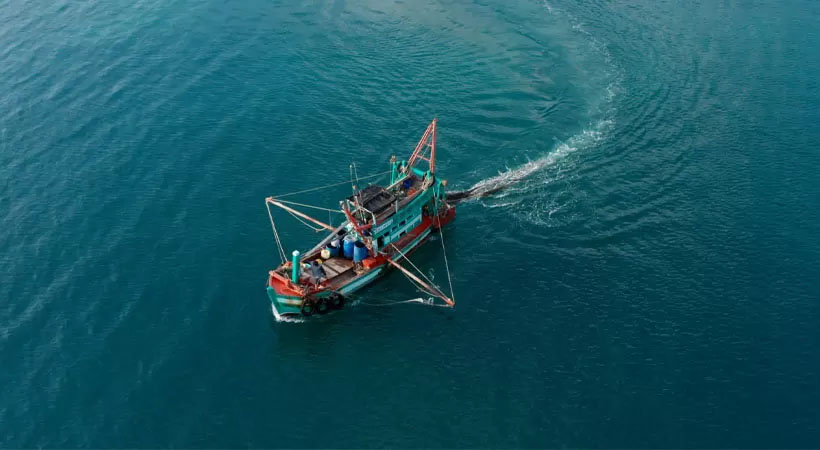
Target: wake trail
x,y
512,177
591,136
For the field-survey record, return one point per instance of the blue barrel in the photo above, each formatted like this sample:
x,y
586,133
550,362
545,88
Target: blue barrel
x,y
348,243
333,249
359,252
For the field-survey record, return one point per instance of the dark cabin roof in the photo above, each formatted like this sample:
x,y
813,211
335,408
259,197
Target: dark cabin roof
x,y
375,198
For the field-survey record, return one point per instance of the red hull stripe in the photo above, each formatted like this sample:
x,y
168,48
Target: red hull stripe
x,y
282,286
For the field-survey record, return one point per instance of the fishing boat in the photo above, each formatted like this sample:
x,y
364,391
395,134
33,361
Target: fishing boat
x,y
381,226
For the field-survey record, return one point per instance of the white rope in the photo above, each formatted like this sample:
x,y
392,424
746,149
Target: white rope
x,y
419,287
327,186
417,270
276,234
411,263
444,250
304,223
412,300
422,301
310,206
424,290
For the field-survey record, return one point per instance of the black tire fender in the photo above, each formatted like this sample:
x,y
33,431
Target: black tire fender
x,y
322,306
336,300
308,306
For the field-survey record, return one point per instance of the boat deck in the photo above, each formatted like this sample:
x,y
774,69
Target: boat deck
x,y
338,271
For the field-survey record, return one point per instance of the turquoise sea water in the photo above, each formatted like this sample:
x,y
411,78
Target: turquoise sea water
x,y
650,277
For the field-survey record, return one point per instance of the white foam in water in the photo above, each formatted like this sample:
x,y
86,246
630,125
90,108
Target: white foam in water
x,y
289,318
585,139
549,7
510,183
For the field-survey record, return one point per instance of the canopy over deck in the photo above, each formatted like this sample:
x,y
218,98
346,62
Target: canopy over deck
x,y
374,198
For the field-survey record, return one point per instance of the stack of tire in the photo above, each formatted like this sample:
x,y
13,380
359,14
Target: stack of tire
x,y
322,305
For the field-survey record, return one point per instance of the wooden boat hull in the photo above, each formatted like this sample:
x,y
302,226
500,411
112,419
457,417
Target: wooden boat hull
x,y
284,305
287,302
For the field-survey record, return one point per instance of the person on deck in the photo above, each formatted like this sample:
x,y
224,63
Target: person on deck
x,y
318,272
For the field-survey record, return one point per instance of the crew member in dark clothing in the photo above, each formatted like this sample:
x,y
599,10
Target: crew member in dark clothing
x,y
318,272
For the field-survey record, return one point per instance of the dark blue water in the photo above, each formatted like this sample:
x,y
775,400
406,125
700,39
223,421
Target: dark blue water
x,y
650,278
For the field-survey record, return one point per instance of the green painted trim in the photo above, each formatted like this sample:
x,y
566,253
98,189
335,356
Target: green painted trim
x,y
361,282
294,274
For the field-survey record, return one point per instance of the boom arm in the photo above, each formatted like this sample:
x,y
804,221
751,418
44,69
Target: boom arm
x,y
300,214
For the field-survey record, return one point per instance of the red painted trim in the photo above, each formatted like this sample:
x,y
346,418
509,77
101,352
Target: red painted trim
x,y
432,159
282,285
448,217
353,221
419,147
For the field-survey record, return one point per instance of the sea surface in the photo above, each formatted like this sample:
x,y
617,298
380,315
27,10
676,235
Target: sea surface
x,y
650,276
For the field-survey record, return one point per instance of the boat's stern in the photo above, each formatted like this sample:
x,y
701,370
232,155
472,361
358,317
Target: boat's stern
x,y
285,297
290,299
284,305
445,217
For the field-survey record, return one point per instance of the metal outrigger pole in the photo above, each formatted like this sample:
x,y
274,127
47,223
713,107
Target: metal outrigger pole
x,y
412,276
273,202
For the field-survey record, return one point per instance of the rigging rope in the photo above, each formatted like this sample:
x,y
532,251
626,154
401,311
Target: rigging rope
x,y
309,206
423,301
304,223
421,288
276,234
328,186
278,197
444,250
